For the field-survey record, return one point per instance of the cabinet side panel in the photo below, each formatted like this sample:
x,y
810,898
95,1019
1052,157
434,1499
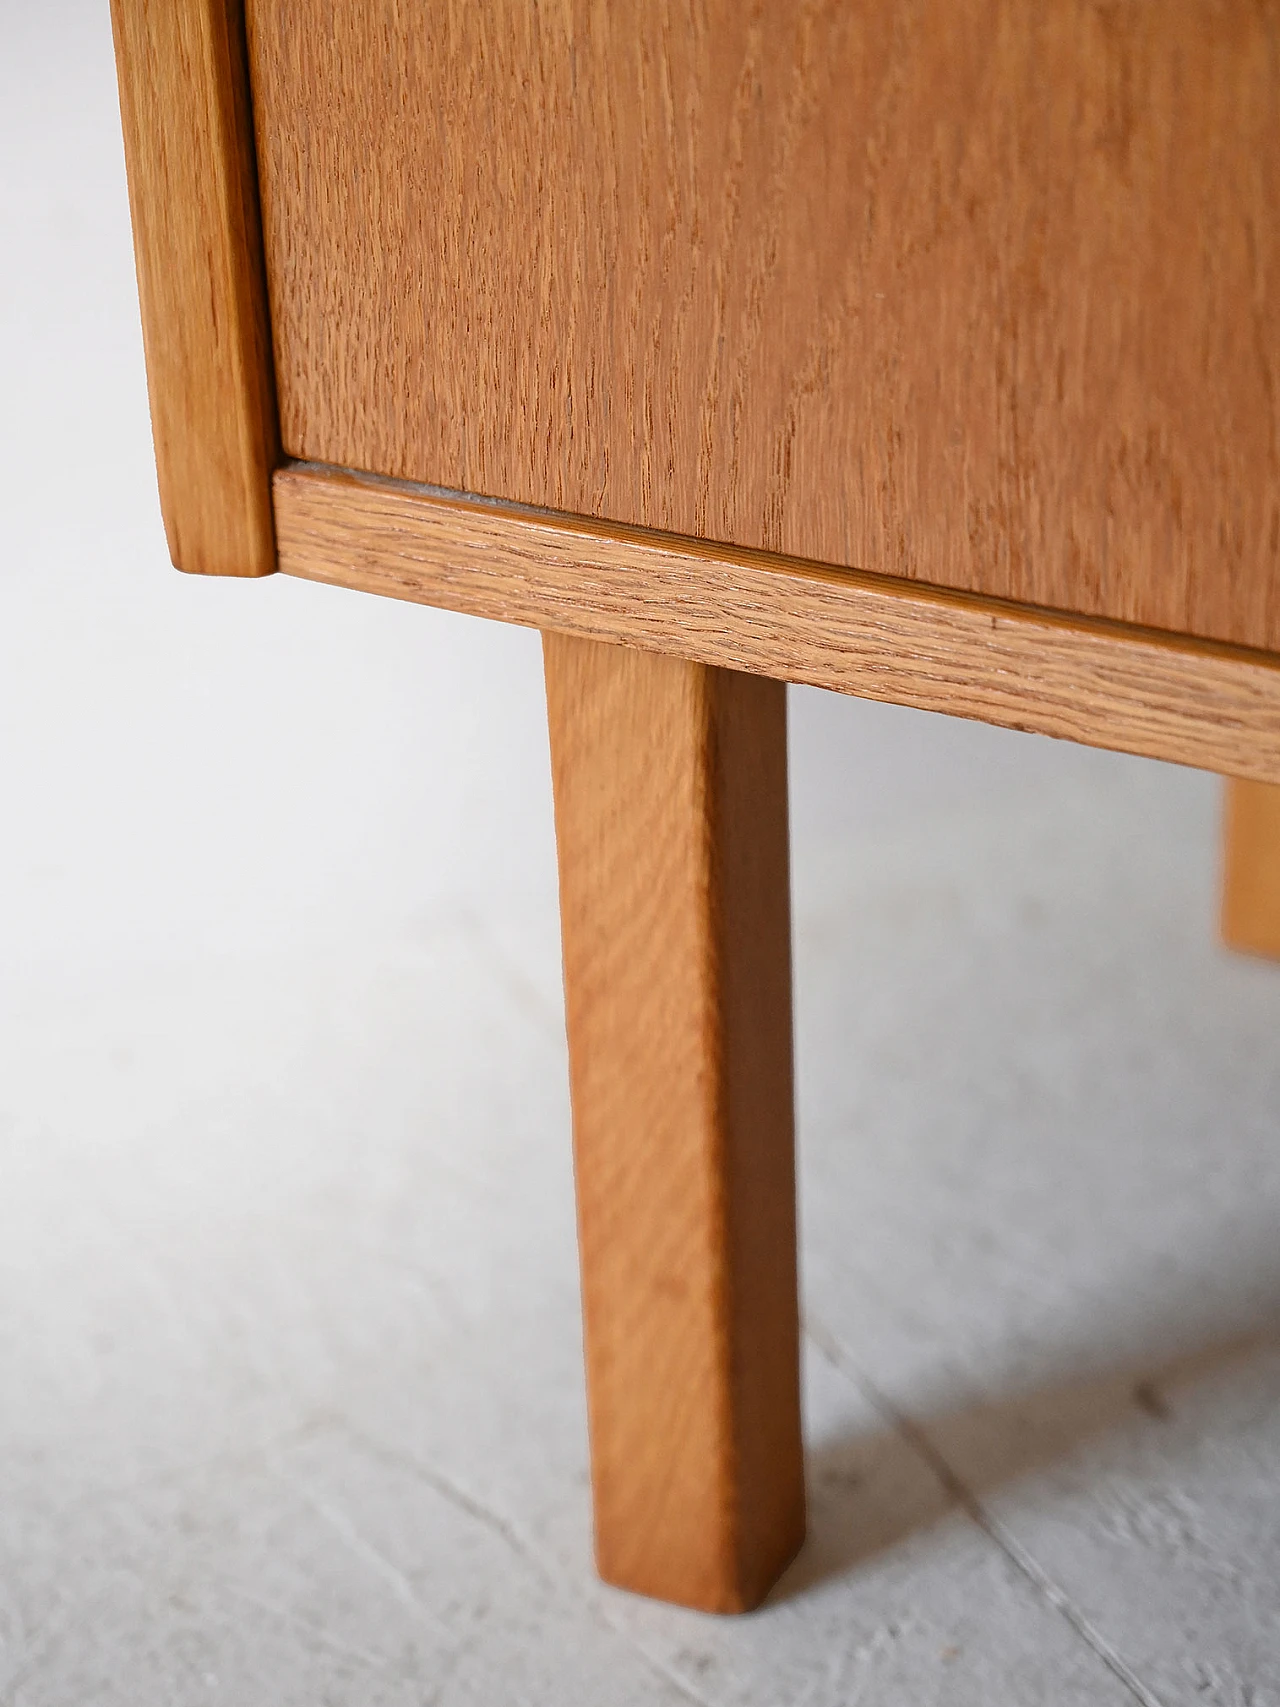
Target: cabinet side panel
x,y
984,293
197,241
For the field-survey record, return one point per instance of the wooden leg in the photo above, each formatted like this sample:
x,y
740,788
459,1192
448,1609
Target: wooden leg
x,y
1251,868
671,825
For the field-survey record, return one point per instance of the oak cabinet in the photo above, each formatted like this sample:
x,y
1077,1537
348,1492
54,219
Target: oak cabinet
x,y
922,349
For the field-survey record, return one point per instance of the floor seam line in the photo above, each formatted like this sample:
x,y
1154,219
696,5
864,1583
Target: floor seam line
x,y
917,1438
552,1574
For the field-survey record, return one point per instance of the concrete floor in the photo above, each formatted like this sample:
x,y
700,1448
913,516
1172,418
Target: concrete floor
x,y
290,1399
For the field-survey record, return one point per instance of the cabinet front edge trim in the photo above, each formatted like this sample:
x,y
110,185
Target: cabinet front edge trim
x,y
1101,683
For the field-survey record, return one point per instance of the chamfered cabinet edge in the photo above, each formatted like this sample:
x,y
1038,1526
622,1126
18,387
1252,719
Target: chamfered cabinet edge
x,y
193,197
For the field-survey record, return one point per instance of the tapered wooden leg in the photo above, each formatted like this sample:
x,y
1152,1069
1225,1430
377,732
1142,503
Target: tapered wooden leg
x,y
1251,868
671,825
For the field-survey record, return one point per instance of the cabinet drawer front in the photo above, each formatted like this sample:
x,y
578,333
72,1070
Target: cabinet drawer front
x,y
980,292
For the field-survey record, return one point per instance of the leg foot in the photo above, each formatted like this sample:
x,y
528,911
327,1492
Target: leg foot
x,y
671,828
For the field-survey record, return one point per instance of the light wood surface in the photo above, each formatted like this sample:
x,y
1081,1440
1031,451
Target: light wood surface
x,y
1098,683
193,196
671,827
984,293
1251,869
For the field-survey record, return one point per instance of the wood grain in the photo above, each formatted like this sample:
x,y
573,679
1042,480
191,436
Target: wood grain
x,y
983,293
1099,683
671,827
193,196
1251,869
